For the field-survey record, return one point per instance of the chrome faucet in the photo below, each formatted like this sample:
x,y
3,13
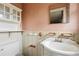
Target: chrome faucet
x,y
49,34
59,38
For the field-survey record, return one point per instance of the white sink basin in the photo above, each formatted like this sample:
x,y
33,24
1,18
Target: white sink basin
x,y
61,47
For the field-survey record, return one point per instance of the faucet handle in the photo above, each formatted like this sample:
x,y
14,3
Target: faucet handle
x,y
40,34
61,35
52,34
66,35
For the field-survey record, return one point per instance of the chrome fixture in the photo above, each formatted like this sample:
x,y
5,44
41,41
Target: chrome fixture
x,y
59,38
50,34
64,35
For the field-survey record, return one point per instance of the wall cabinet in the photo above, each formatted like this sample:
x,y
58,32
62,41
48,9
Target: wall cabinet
x,y
9,12
10,17
10,43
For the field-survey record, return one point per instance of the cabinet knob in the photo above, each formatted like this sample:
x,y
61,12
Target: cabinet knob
x,y
32,46
2,49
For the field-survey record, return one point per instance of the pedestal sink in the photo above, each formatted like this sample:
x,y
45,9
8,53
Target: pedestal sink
x,y
64,47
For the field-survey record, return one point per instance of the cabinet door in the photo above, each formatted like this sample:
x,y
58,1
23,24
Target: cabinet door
x,y
7,12
40,50
28,42
17,36
10,49
14,15
4,37
18,16
25,44
1,7
1,10
33,47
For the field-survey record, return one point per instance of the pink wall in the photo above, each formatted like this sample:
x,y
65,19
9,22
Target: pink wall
x,y
78,16
36,18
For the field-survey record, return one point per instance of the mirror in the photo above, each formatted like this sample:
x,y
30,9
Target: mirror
x,y
59,14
